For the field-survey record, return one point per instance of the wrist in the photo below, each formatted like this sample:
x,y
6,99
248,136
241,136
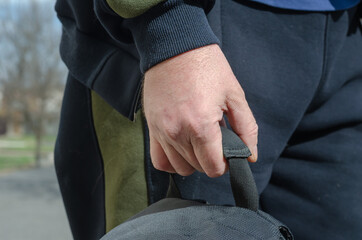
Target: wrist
x,y
169,29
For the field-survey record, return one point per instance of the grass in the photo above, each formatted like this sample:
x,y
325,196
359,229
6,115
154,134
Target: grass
x,y
18,152
16,162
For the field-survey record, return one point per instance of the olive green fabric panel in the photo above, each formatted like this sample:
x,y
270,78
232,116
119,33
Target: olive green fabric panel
x,y
132,8
121,143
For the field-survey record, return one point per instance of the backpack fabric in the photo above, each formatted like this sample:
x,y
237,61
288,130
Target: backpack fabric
x,y
176,218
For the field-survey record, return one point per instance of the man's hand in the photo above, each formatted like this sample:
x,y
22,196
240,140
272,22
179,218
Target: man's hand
x,y
184,100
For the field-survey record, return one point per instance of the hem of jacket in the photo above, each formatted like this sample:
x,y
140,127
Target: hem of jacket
x,y
108,70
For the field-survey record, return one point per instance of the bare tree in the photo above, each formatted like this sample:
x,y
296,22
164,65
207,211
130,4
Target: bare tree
x,y
32,73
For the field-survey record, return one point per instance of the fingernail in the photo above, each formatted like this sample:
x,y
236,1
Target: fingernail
x,y
254,154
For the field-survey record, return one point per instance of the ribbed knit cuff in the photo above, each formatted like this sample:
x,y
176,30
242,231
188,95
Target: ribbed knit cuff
x,y
169,29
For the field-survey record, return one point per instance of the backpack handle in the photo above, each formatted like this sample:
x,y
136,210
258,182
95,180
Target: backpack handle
x,y
241,179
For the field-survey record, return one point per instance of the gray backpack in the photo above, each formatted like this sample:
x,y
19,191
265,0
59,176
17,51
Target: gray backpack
x,y
175,218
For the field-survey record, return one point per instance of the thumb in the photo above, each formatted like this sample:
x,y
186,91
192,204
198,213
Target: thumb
x,y
243,123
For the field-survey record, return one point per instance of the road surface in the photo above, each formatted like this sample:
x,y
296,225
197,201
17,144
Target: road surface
x,y
31,206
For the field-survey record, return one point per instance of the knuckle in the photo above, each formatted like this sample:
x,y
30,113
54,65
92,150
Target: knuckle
x,y
236,97
198,132
215,173
185,172
241,94
215,169
172,132
161,165
253,129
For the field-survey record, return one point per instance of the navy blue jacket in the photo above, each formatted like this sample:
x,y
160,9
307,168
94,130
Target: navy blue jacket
x,y
109,54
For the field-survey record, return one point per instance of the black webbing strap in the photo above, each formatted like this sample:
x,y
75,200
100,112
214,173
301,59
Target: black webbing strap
x,y
241,179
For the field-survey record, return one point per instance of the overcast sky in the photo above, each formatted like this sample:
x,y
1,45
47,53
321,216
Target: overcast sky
x,y
5,3
13,5
21,1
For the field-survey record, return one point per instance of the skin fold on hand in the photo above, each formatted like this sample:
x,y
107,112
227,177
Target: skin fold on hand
x,y
184,99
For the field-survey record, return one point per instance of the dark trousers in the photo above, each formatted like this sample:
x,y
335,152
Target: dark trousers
x,y
302,75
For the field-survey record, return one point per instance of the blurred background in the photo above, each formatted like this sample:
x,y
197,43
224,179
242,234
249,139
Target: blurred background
x,y
32,79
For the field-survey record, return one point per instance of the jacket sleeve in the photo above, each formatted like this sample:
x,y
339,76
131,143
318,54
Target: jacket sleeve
x,y
160,29
132,8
